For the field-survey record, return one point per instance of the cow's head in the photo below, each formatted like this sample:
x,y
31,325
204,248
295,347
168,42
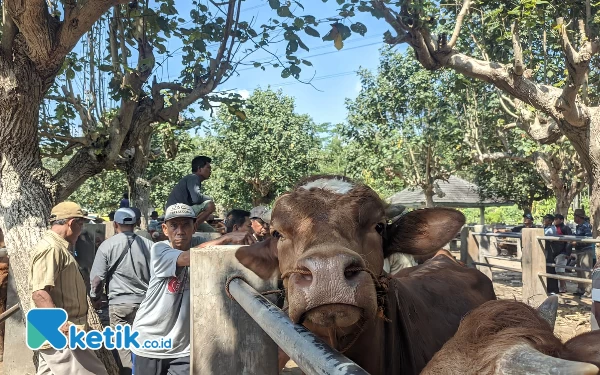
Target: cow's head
x,y
328,226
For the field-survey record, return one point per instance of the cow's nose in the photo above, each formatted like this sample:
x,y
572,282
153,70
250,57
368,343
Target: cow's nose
x,y
337,271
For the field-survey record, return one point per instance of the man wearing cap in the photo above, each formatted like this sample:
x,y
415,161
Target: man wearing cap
x,y
564,249
189,190
583,251
527,223
122,263
165,311
260,218
56,282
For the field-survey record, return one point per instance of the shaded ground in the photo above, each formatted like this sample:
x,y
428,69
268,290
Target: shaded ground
x,y
573,313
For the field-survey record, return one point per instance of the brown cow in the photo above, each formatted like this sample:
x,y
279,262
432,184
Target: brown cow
x,y
330,237
508,334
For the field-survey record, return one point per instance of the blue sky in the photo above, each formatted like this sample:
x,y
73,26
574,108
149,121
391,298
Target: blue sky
x,y
333,70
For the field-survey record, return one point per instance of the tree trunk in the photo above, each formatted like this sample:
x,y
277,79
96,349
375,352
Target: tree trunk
x,y
594,147
27,190
139,141
563,201
429,197
139,193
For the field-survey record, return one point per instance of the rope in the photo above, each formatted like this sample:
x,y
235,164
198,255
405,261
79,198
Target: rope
x,y
381,288
268,292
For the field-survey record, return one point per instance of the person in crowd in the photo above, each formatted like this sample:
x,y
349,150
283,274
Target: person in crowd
x,y
111,216
138,222
527,223
583,251
595,316
563,250
260,218
397,261
122,268
165,311
238,220
153,222
124,203
189,190
55,282
552,248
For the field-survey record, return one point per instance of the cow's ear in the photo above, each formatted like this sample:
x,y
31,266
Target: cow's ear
x,y
422,232
260,258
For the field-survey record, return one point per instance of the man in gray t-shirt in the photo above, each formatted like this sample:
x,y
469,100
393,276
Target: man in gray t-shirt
x,y
122,262
164,315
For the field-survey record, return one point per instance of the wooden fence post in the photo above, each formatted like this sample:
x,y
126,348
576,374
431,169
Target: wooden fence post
x,y
465,240
483,248
533,261
225,339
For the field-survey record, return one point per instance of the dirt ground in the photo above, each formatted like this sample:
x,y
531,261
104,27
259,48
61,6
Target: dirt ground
x,y
573,316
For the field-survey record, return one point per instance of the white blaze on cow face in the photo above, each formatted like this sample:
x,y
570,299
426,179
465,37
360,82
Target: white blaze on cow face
x,y
331,184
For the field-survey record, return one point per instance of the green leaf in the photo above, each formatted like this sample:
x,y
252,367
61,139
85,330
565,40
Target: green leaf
x,y
274,4
312,32
307,63
284,12
299,22
359,28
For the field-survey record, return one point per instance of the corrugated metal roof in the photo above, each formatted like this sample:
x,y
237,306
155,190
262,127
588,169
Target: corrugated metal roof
x,y
455,192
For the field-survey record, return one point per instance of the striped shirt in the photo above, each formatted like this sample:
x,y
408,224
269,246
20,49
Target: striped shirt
x,y
53,265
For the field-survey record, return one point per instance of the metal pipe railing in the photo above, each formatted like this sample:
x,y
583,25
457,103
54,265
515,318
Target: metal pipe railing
x,y
566,278
496,266
501,234
8,313
311,354
569,239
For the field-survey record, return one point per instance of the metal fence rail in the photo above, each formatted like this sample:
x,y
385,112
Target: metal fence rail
x,y
309,352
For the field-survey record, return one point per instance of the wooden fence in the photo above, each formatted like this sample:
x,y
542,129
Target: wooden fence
x,y
480,249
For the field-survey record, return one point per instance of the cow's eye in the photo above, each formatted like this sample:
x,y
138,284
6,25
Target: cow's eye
x,y
277,235
379,227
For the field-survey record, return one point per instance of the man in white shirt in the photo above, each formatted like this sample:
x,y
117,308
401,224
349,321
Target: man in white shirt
x,y
164,314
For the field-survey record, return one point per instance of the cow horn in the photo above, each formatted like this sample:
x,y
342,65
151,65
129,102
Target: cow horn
x,y
523,359
548,309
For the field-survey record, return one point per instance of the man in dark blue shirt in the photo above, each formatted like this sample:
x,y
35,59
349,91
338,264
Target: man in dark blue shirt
x,y
189,190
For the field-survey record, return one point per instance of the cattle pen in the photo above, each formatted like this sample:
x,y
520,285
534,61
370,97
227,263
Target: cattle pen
x,y
478,247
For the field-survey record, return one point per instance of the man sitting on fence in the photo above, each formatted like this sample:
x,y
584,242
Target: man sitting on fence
x,y
164,315
583,251
563,249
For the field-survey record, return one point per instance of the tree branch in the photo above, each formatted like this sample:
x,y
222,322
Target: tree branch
x,y
77,22
71,140
171,86
577,64
459,22
518,64
36,26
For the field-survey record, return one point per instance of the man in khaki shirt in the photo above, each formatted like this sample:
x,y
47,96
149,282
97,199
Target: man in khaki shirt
x,y
56,282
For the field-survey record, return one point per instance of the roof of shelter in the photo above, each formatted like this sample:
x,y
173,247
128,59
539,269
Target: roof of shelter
x,y
455,192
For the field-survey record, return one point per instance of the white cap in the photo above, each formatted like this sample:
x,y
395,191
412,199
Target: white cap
x,y
125,216
179,210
